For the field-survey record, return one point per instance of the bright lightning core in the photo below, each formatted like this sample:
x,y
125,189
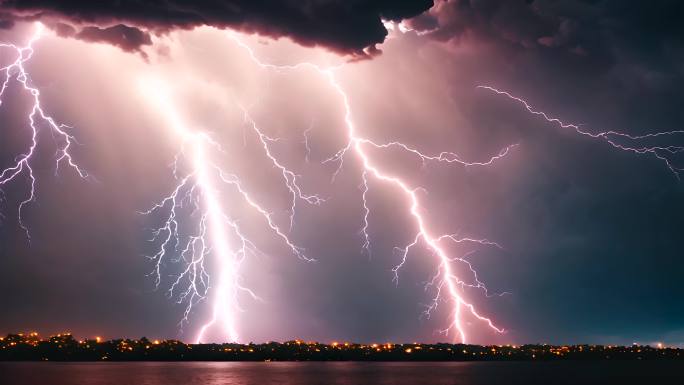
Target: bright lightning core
x,y
196,197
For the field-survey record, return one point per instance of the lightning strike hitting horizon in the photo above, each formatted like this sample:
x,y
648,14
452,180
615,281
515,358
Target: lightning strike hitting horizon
x,y
22,163
216,233
447,275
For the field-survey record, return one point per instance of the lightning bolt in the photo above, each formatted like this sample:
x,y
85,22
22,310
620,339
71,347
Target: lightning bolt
x,y
664,154
448,276
37,119
216,234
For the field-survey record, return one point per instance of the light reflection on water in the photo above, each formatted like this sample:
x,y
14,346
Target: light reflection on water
x,y
340,373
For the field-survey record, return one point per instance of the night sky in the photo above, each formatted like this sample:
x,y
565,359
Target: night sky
x,y
590,234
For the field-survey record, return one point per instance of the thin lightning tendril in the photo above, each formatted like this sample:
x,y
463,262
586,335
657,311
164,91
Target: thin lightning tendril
x,y
289,176
16,71
662,153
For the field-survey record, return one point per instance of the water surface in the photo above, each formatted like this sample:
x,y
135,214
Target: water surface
x,y
341,373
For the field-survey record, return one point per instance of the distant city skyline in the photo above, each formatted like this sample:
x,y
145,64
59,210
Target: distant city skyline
x,y
64,347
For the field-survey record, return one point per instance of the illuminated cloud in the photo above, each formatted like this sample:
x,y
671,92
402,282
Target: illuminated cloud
x,y
351,27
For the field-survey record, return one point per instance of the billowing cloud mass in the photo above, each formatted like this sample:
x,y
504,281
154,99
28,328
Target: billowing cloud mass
x,y
350,26
601,29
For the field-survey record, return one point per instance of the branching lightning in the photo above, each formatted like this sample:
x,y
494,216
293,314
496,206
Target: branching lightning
x,y
448,275
633,143
37,119
216,233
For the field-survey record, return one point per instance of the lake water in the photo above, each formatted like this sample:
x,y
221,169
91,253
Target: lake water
x,y
341,373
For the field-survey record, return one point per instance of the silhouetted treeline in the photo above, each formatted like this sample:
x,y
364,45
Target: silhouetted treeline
x,y
63,347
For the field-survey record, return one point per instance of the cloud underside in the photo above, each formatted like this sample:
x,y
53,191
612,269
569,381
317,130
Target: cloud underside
x,y
351,27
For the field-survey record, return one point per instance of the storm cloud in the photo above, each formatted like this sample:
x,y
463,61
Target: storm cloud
x,y
605,32
350,27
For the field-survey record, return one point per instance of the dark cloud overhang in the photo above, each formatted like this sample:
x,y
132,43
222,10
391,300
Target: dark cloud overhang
x,y
603,31
350,27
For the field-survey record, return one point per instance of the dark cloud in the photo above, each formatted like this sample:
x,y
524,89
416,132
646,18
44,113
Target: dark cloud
x,y
127,38
646,32
124,37
351,27
6,24
516,22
